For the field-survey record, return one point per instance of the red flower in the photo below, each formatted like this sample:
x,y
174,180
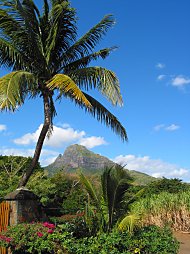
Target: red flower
x,y
8,239
39,234
50,231
48,225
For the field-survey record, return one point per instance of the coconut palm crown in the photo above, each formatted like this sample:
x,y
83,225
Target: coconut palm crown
x,y
48,61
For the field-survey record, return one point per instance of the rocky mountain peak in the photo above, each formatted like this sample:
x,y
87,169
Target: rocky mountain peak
x,y
78,156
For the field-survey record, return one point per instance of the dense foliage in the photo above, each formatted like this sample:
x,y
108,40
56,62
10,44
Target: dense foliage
x,y
11,170
60,194
46,238
173,185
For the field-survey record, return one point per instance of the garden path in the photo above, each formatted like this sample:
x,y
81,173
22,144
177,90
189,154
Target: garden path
x,y
184,239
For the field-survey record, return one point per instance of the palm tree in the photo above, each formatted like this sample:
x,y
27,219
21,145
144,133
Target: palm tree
x,y
48,61
115,184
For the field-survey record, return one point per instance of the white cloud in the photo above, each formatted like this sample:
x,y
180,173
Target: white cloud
x,y
49,160
93,141
60,137
160,65
156,168
3,127
46,157
161,77
180,81
17,152
171,127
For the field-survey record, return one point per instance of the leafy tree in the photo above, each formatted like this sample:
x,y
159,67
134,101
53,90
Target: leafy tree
x,y
60,194
173,185
49,62
11,170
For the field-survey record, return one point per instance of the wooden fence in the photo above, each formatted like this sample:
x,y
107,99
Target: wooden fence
x,y
4,220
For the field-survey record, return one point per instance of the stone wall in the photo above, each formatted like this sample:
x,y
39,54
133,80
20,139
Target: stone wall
x,y
25,207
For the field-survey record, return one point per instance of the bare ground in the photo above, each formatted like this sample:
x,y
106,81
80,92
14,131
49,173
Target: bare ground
x,y
184,239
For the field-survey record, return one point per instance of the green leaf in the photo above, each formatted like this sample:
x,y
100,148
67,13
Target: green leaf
x,y
105,116
14,87
89,188
99,78
128,222
67,87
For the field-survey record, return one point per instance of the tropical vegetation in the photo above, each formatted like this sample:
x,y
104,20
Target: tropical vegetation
x,y
94,213
49,61
47,238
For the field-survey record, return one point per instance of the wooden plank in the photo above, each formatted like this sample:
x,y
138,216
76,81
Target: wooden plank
x,y
4,220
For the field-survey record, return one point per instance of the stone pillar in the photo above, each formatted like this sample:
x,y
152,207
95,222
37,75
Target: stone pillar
x,y
25,207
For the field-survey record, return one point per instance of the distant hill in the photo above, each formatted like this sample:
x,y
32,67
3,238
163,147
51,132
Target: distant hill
x,y
79,157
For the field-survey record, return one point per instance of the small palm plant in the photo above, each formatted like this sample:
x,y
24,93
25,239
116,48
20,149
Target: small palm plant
x,y
107,202
48,61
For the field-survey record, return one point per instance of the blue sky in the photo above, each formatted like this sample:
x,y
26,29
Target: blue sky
x,y
152,64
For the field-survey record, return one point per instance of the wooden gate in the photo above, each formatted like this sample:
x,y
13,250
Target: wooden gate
x,y
4,220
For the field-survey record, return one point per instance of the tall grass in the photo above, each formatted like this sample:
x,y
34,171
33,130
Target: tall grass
x,y
165,209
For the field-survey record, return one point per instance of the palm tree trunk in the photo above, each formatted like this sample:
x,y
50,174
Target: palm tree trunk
x,y
45,128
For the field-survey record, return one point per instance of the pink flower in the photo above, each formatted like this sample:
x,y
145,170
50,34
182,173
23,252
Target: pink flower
x,y
45,224
48,225
39,234
50,231
8,239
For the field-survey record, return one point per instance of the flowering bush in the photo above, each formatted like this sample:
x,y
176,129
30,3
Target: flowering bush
x,y
35,238
45,238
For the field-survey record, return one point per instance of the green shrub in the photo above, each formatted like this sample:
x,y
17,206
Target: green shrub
x,y
45,238
148,240
36,238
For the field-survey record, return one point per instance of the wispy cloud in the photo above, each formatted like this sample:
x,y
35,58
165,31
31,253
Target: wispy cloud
x,y
3,127
159,127
160,65
161,77
153,167
60,137
180,81
171,127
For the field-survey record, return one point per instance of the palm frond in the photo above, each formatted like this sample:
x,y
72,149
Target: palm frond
x,y
9,55
19,25
103,115
133,198
98,78
114,184
87,43
90,189
67,87
128,222
62,31
28,11
14,87
85,61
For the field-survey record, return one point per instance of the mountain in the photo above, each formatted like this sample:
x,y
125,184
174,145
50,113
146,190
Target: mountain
x,y
79,157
